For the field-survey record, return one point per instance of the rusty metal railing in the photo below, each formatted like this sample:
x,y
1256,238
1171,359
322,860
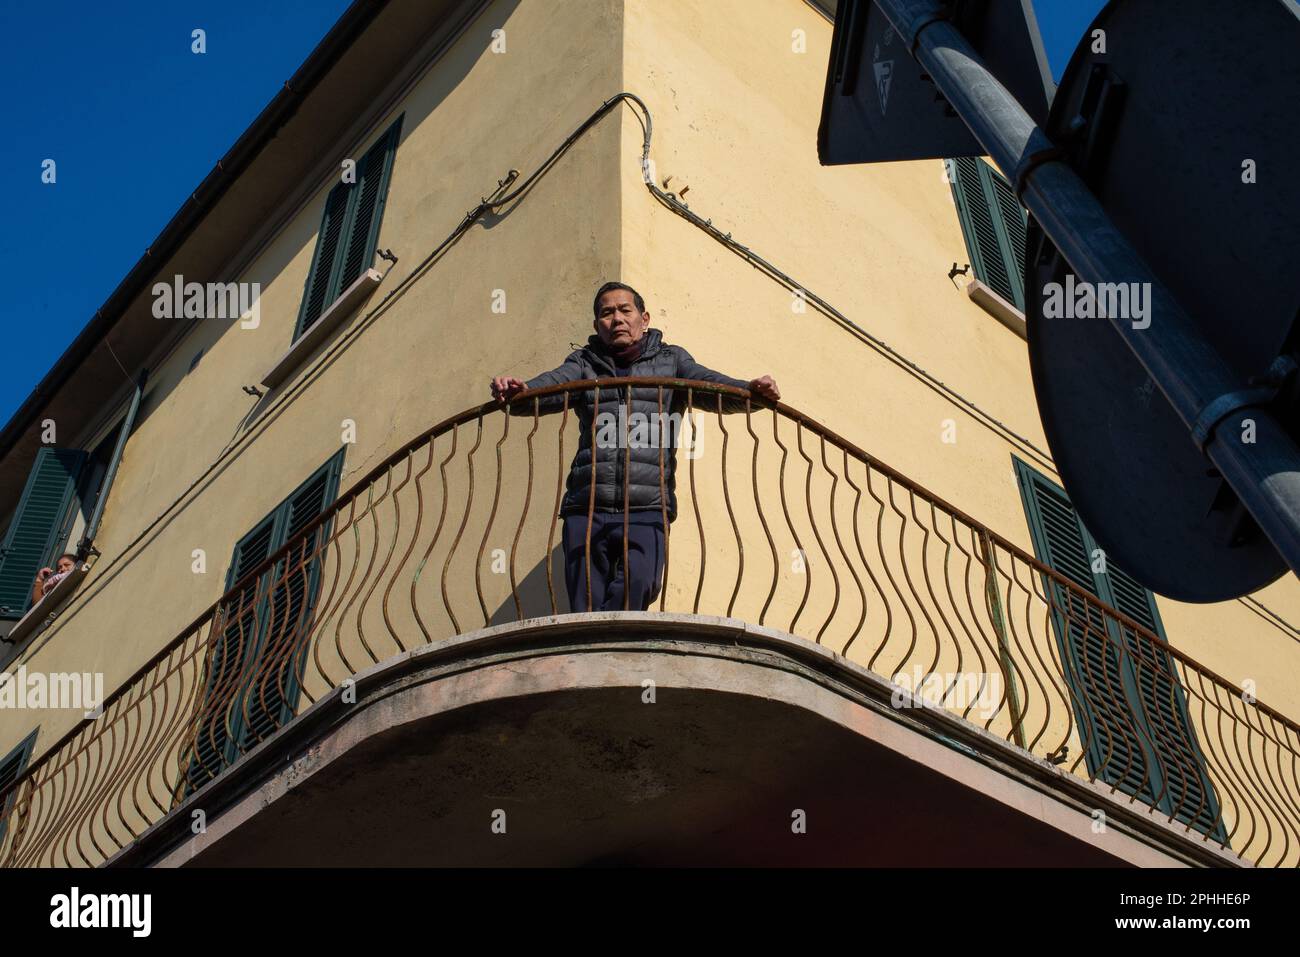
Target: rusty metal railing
x,y
780,522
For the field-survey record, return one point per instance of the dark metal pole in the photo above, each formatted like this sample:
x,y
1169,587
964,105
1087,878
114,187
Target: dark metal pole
x,y
1199,385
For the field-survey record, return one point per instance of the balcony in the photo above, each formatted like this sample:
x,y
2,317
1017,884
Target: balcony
x,y
823,619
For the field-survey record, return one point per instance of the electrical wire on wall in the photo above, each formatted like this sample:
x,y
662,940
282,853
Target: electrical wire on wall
x,y
673,202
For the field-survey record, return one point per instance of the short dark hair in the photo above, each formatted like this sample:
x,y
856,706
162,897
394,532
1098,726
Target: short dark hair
x,y
636,297
72,555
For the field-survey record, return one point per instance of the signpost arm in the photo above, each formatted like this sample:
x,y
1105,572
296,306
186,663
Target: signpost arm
x,y
1197,382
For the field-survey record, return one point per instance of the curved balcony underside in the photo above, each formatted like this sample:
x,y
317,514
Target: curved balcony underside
x,y
549,721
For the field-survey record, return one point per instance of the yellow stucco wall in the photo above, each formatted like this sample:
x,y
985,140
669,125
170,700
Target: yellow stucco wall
x,y
472,118
736,108
736,117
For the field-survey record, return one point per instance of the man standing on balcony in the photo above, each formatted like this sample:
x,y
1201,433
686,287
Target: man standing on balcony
x,y
623,345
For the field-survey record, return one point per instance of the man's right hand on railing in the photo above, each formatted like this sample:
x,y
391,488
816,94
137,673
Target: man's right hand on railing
x,y
506,387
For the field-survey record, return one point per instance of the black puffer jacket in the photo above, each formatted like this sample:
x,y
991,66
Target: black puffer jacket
x,y
594,361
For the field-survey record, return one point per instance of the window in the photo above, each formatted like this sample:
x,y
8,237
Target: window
x,y
349,230
1129,704
993,222
12,766
41,526
91,486
60,496
255,665
56,511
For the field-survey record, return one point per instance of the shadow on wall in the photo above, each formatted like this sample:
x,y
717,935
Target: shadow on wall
x,y
535,594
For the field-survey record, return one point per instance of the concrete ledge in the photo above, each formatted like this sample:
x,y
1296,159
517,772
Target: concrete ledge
x,y
997,307
736,699
44,610
344,306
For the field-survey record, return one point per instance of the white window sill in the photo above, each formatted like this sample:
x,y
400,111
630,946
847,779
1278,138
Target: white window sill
x,y
46,608
348,302
997,307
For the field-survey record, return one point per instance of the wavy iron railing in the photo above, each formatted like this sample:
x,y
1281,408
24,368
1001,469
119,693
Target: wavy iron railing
x,y
781,522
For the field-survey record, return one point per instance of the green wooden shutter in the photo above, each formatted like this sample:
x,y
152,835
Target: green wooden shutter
x,y
993,223
260,651
1012,218
1094,665
1190,796
349,230
219,725
374,173
1126,694
12,767
273,693
324,263
34,533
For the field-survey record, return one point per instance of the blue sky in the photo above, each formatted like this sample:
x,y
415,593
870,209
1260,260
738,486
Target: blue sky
x,y
134,120
1062,23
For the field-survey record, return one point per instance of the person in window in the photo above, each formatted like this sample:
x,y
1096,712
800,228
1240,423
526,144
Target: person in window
x,y
47,577
623,345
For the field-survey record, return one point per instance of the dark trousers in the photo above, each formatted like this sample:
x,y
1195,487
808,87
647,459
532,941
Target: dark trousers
x,y
643,576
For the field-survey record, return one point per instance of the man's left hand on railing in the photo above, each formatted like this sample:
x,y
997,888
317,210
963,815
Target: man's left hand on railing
x,y
766,387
